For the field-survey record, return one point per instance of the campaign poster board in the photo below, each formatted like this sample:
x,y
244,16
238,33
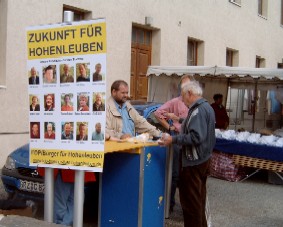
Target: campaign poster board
x,y
66,73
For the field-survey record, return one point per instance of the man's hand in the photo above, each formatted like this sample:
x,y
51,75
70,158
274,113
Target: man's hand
x,y
125,136
172,116
165,139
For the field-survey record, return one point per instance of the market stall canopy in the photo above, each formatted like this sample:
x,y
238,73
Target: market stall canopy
x,y
163,80
267,73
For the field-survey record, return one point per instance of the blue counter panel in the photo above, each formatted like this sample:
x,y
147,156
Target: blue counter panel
x,y
120,190
154,186
132,189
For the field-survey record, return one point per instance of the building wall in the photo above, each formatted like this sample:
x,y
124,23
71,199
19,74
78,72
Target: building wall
x,y
219,24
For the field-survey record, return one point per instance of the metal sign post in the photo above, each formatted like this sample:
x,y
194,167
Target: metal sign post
x,y
49,194
79,198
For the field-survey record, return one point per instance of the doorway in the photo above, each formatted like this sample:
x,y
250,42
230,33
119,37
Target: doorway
x,y
140,60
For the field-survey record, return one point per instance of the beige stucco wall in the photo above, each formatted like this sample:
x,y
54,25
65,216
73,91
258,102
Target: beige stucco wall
x,y
220,24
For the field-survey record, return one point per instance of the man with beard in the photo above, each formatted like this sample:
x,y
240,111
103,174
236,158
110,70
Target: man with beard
x,y
123,121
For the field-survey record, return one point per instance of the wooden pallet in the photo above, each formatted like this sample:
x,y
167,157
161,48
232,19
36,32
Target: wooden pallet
x,y
258,163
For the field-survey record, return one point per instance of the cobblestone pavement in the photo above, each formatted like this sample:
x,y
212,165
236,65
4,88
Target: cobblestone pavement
x,y
252,203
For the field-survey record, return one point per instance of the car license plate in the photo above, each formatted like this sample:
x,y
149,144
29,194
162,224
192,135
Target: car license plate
x,y
31,186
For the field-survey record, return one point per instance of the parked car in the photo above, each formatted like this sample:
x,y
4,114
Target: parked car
x,y
22,180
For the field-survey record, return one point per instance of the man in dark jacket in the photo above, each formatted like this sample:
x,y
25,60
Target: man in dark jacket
x,y
197,139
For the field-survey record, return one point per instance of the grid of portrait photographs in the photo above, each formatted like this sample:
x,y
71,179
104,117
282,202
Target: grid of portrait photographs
x,y
67,102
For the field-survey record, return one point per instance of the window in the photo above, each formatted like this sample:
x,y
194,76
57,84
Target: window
x,y
262,8
79,14
141,36
259,62
232,57
236,2
195,52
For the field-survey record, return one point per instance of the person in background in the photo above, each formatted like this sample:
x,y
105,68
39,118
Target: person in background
x,y
34,104
197,139
49,134
97,134
98,105
67,133
66,77
33,79
83,100
64,194
83,74
221,116
67,104
177,107
96,75
122,120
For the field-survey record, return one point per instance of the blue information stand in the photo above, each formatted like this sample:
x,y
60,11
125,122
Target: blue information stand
x,y
132,188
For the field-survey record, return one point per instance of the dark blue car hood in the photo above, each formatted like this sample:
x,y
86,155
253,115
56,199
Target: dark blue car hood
x,y
145,108
21,156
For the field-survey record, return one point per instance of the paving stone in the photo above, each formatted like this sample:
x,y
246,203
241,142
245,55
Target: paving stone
x,y
20,221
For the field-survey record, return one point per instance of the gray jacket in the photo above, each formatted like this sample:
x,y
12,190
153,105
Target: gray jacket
x,y
197,135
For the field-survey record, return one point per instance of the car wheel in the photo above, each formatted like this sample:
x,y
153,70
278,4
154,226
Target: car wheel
x,y
12,195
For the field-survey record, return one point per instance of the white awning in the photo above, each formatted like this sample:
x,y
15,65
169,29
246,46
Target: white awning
x,y
267,73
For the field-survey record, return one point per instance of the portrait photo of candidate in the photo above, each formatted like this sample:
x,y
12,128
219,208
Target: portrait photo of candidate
x,y
49,102
97,133
33,76
82,72
82,131
34,103
49,130
34,130
66,73
66,102
83,102
67,131
97,76
98,102
49,74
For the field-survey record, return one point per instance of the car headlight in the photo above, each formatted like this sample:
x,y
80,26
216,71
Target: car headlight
x,y
10,163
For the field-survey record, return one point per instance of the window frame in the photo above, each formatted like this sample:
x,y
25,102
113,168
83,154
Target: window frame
x,y
194,52
229,57
236,2
79,14
262,8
